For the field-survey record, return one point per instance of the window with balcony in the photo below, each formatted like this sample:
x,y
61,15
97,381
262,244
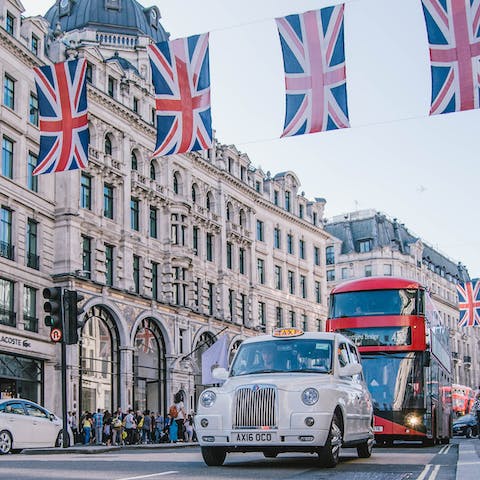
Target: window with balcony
x,y
32,180
9,92
33,259
7,314
6,245
7,157
30,320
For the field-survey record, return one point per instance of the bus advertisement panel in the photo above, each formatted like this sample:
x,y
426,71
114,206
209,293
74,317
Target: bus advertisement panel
x,y
405,355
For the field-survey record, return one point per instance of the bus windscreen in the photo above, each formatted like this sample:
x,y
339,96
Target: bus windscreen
x,y
375,303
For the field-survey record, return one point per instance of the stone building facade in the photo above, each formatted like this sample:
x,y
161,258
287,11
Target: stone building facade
x,y
167,252
368,243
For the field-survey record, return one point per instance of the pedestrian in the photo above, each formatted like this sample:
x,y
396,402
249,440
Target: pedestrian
x,y
117,428
74,427
159,426
98,421
107,428
173,430
177,412
130,427
146,427
188,428
87,428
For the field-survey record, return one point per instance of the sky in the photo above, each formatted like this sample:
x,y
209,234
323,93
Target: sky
x,y
423,170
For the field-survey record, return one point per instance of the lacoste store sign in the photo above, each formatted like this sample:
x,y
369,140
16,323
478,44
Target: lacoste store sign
x,y
15,342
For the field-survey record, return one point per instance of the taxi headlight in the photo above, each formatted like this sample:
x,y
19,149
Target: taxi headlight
x,y
310,396
207,398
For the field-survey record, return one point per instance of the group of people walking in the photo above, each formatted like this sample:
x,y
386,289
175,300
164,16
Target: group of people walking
x,y
131,428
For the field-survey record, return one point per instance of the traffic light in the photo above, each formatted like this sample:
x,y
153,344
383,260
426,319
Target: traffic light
x,y
71,298
53,309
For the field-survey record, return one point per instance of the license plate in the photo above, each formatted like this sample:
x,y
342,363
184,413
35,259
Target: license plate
x,y
378,428
254,437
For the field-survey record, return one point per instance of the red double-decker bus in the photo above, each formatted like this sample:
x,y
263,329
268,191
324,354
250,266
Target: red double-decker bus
x,y
405,355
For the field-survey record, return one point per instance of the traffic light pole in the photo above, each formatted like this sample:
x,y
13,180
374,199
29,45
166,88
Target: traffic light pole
x,y
65,436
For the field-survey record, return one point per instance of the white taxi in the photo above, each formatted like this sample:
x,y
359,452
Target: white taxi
x,y
288,392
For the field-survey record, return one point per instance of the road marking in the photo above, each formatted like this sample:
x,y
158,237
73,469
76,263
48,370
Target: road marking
x,y
424,472
434,474
150,475
427,474
444,450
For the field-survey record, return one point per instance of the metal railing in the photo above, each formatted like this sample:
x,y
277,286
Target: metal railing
x,y
7,250
8,317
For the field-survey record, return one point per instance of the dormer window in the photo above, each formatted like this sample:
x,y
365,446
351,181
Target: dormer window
x,y
112,4
64,8
10,23
154,14
365,245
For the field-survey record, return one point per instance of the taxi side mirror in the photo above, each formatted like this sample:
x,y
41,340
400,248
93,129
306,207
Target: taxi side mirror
x,y
350,370
220,373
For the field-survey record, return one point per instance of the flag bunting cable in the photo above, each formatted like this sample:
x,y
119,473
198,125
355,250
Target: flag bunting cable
x,y
215,335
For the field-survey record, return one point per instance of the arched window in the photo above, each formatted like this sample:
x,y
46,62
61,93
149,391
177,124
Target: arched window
x,y
153,173
134,161
194,193
177,183
242,218
209,202
229,211
108,145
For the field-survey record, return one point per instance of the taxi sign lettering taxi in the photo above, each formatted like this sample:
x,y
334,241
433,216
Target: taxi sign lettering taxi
x,y
287,332
56,335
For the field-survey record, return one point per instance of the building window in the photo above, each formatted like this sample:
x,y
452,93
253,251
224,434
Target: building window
x,y
34,43
276,238
316,255
303,286
243,173
30,320
32,180
330,275
7,157
179,229
195,240
241,261
258,186
209,202
180,286
291,282
301,249
112,83
210,298
195,194
33,260
33,110
278,277
109,263
242,218
344,273
135,104
244,307
290,243
319,325
288,206
365,246
279,317
275,197
314,218
292,317
301,211
89,73
229,255
304,322
153,116
153,173
368,270
387,269
231,303
135,214
261,270
229,212
230,165
153,222
176,183
134,161
9,92
108,201
86,255
318,292
10,23
7,315
155,281
108,145
330,256
86,191
182,333
209,247
6,247
260,231
136,273
262,318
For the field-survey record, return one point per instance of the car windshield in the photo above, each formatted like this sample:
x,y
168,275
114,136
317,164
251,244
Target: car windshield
x,y
292,355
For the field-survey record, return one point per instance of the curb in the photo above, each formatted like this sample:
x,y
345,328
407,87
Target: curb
x,y
94,449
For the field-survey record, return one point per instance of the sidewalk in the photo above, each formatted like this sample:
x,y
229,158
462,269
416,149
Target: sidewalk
x,y
92,449
468,463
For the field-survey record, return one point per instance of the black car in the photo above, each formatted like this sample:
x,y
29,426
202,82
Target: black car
x,y
466,425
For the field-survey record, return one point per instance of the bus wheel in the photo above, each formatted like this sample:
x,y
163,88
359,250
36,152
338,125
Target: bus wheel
x,y
213,456
330,453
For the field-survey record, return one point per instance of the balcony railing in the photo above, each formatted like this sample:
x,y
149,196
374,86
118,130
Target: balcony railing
x,y
33,261
7,250
30,323
8,317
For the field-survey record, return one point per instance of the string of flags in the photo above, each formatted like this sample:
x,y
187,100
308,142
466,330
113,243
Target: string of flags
x,y
312,45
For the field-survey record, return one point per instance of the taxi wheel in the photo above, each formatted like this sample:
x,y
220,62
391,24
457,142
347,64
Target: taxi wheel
x,y
213,456
330,453
364,450
5,442
59,441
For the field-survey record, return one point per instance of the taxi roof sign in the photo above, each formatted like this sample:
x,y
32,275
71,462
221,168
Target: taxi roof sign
x,y
287,332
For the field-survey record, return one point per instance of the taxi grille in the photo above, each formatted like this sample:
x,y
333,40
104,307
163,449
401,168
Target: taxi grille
x,y
255,407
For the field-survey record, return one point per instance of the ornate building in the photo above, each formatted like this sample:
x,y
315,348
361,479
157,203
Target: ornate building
x,y
167,252
368,243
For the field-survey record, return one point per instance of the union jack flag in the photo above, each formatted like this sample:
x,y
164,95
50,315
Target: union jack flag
x,y
144,340
469,303
314,62
62,103
454,38
181,78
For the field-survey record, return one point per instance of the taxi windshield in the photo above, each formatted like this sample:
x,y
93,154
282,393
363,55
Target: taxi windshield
x,y
277,356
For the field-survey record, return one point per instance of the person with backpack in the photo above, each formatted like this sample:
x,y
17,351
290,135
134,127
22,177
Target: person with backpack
x,y
178,414
172,429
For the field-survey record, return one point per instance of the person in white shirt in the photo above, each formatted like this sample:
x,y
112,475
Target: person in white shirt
x,y
181,415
